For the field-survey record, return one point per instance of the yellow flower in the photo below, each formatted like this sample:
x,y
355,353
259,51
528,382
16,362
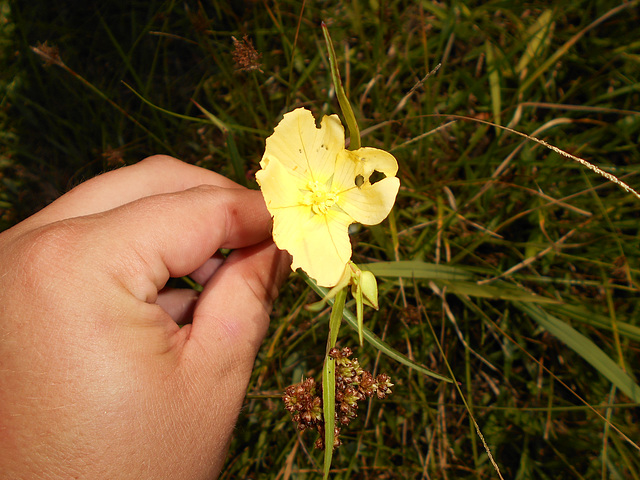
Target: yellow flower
x,y
315,188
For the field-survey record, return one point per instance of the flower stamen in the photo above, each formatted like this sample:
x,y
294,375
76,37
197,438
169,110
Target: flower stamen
x,y
319,198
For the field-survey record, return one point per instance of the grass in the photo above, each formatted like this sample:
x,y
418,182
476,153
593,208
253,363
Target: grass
x,y
488,218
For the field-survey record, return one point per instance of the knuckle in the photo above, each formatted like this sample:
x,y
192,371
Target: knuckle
x,y
159,161
46,248
42,263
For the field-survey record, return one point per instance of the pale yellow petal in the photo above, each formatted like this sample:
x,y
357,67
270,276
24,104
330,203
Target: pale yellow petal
x,y
371,159
319,244
366,203
307,151
370,204
362,163
347,168
288,230
279,187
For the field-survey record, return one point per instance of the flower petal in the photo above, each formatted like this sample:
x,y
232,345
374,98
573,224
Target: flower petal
x,y
319,244
307,151
366,203
372,159
370,204
280,188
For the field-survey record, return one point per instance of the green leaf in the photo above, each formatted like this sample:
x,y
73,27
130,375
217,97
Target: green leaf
x,y
417,269
359,311
581,314
585,348
457,280
336,318
379,344
345,106
500,290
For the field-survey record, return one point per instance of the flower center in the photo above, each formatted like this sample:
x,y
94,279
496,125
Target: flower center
x,y
319,198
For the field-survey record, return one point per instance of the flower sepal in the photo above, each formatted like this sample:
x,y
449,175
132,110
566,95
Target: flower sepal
x,y
364,288
367,285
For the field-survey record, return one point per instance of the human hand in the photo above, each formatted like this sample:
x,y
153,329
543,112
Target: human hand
x,y
97,380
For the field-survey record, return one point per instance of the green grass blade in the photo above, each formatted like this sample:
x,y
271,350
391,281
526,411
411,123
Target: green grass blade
x,y
585,348
101,95
553,59
212,118
494,84
236,160
223,126
328,410
164,110
541,33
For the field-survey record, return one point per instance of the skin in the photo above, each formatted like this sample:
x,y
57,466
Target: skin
x,y
97,379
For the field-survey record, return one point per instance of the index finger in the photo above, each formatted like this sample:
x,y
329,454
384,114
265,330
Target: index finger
x,y
152,176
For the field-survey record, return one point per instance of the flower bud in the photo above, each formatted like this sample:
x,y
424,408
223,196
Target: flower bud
x,y
369,286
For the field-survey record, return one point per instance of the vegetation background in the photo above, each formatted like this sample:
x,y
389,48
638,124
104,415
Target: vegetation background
x,y
525,273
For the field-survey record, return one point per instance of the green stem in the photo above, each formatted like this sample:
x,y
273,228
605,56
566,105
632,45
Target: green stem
x,y
329,381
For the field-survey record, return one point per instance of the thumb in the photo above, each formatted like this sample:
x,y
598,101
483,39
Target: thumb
x,y
173,234
232,314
